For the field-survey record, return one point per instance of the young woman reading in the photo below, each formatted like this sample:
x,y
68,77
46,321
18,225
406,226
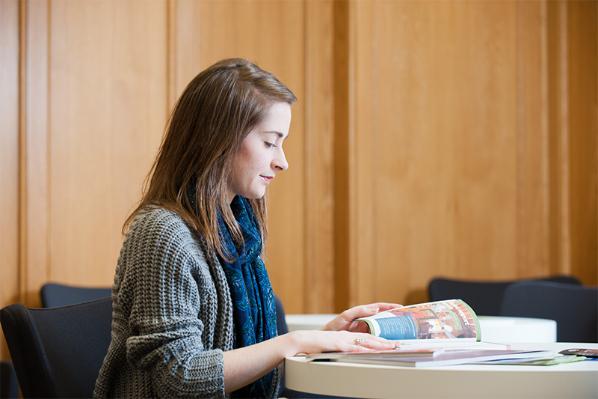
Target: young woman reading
x,y
193,308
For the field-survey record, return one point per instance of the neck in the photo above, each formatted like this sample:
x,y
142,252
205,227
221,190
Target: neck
x,y
230,196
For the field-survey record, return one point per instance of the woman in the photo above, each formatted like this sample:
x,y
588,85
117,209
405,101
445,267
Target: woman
x,y
193,308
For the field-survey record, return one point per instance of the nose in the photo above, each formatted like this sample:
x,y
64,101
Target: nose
x,y
280,161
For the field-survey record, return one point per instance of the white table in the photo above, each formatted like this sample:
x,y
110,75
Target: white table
x,y
494,328
517,329
308,321
565,381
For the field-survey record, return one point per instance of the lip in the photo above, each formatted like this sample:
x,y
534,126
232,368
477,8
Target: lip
x,y
268,179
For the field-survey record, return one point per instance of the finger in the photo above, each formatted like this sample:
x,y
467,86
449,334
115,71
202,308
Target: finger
x,y
381,345
374,343
360,311
344,320
378,348
370,337
358,327
337,324
357,348
358,344
387,306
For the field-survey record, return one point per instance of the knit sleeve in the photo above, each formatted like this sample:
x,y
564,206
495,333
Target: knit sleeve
x,y
166,332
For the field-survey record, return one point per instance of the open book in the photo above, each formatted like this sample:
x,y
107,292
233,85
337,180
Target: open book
x,y
442,322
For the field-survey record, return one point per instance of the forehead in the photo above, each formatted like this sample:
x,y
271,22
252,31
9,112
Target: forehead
x,y
277,118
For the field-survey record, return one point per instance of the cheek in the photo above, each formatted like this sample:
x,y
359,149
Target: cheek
x,y
244,162
247,165
253,158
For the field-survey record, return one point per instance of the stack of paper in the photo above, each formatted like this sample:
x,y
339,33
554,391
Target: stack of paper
x,y
433,357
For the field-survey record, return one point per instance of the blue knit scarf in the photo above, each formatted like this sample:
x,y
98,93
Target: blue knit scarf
x,y
251,292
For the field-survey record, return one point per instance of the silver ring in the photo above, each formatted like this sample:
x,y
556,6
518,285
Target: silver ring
x,y
358,341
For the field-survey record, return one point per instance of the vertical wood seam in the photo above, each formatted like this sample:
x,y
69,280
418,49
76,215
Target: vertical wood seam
x,y
564,234
22,164
306,175
48,128
171,73
519,143
33,139
353,205
342,242
545,131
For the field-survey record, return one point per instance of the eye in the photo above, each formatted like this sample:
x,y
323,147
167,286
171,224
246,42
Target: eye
x,y
269,145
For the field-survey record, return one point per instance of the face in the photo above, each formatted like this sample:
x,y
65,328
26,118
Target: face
x,y
261,155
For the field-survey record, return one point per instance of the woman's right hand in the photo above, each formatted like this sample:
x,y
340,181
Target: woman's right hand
x,y
313,341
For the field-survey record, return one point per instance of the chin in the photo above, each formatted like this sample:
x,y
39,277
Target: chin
x,y
257,194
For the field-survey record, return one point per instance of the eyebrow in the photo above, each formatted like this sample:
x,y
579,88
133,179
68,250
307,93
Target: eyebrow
x,y
279,134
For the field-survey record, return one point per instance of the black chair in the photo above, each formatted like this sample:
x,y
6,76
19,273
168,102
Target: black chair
x,y
281,322
485,297
53,294
574,308
58,352
9,387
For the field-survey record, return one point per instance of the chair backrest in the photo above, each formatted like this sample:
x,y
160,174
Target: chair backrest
x,y
485,297
58,352
8,381
53,294
575,308
281,322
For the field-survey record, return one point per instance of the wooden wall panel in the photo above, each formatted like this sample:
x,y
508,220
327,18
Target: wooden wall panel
x,y
344,244
437,168
108,97
556,16
532,148
573,130
320,197
34,256
9,156
270,33
582,39
184,49
430,138
450,147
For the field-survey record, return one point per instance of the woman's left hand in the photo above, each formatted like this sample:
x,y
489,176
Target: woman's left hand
x,y
346,320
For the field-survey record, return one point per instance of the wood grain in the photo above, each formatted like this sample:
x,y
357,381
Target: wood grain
x,y
9,156
319,172
573,126
533,141
34,260
583,142
343,135
271,34
108,71
430,137
453,171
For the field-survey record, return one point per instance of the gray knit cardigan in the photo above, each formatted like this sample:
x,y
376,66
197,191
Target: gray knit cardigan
x,y
172,315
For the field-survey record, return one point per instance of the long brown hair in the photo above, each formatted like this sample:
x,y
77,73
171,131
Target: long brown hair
x,y
217,109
